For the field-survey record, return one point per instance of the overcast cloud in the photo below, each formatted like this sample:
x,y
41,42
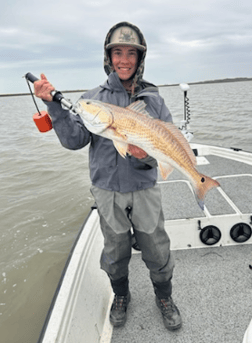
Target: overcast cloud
x,y
187,40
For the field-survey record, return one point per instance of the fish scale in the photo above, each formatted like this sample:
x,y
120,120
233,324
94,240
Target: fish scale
x,y
156,134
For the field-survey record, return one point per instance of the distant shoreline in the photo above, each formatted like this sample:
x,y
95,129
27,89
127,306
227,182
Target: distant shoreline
x,y
237,79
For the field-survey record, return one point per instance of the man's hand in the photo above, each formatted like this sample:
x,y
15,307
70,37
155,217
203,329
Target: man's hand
x,y
136,152
43,88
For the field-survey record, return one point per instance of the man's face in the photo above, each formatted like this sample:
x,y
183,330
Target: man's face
x,y
124,60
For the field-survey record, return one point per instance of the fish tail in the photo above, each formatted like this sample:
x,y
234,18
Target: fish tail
x,y
203,186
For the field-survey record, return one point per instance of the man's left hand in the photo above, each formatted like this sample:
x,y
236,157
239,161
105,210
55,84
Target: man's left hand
x,y
136,152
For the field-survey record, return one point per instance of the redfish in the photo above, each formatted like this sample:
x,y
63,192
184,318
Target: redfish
x,y
160,140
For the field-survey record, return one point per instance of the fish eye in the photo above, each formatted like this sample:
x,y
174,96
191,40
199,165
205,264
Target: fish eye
x,y
203,179
88,102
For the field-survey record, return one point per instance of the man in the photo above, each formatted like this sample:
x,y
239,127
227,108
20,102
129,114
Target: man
x,y
125,190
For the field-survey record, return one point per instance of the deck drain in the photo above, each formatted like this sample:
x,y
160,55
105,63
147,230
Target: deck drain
x,y
210,235
240,232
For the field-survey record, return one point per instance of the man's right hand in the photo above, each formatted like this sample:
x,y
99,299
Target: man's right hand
x,y
43,89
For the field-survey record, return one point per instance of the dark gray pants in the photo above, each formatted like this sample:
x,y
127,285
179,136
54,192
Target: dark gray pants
x,y
142,211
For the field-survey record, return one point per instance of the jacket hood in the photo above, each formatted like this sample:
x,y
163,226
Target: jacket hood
x,y
137,78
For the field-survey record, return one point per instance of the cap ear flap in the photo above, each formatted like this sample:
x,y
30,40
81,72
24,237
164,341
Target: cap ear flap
x,y
140,56
107,64
109,56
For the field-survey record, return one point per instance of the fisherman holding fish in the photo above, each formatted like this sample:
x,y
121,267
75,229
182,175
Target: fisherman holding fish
x,y
124,187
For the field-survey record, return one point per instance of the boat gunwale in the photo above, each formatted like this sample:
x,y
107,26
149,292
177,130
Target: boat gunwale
x,y
63,273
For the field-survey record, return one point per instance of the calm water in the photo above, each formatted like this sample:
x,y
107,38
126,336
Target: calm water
x,y
44,193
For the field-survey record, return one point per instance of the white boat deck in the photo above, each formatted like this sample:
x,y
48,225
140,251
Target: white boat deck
x,y
212,288
212,285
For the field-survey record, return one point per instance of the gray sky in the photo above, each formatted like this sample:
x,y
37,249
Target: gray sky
x,y
187,40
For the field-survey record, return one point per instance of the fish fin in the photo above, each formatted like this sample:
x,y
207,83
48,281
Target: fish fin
x,y
201,204
204,185
139,106
165,169
178,135
121,147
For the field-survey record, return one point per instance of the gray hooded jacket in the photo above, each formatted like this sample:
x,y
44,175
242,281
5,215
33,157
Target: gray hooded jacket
x,y
108,170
